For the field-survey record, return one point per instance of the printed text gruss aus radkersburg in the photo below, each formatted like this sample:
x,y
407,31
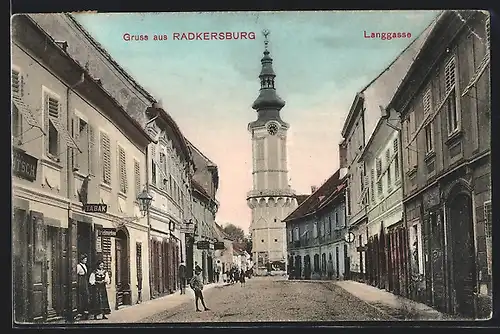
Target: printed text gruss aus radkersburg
x,y
387,36
190,36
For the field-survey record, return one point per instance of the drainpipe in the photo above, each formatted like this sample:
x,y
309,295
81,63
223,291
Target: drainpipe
x,y
148,217
69,188
403,215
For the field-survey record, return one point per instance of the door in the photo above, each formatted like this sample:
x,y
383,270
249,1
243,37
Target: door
x,y
347,264
463,254
189,256
51,267
37,267
123,295
437,260
337,264
19,257
72,263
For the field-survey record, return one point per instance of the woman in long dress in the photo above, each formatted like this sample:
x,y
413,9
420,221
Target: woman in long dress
x,y
99,296
83,287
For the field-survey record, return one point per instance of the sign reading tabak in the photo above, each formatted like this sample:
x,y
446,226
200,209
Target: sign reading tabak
x,y
101,208
23,164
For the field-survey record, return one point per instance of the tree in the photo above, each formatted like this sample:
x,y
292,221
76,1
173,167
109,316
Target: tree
x,y
234,232
248,245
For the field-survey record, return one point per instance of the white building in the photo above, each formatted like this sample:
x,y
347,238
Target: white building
x,y
271,199
76,146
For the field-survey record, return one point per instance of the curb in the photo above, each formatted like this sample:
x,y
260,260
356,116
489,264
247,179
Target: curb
x,y
371,305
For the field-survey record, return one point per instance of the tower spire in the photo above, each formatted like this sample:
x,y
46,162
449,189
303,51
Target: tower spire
x,y
268,99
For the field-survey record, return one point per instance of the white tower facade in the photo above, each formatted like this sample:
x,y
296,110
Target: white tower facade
x,y
271,198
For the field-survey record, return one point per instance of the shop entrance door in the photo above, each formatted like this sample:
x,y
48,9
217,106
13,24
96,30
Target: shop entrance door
x,y
123,295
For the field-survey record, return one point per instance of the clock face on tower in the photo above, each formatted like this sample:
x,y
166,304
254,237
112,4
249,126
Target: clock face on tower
x,y
272,128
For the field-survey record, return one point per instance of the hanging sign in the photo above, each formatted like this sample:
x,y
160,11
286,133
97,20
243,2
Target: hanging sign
x,y
350,237
203,245
101,208
219,245
107,232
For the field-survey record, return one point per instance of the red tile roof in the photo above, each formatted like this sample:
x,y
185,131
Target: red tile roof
x,y
320,198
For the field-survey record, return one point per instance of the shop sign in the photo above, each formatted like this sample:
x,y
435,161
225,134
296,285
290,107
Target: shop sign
x,y
107,232
203,245
24,165
101,208
219,245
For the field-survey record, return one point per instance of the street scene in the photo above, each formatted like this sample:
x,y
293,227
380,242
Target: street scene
x,y
251,167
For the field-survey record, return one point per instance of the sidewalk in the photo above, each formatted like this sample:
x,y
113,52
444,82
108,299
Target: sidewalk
x,y
397,307
136,312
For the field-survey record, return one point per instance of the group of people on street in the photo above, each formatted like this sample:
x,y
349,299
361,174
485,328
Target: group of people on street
x,y
234,275
92,295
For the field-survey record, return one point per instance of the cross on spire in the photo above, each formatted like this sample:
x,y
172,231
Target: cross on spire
x,y
266,33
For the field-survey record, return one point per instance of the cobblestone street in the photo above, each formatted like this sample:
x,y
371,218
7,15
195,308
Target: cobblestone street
x,y
273,299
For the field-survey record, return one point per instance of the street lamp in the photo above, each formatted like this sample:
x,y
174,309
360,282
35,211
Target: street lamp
x,y
145,200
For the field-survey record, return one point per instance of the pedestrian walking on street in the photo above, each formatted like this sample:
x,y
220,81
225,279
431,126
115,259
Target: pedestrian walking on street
x,y
242,277
196,284
182,278
99,296
83,287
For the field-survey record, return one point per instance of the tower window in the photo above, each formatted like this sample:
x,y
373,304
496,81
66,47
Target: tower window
x,y
262,240
275,240
275,220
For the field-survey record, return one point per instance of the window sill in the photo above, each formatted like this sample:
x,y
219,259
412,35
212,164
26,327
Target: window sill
x,y
454,137
429,156
105,186
47,161
412,172
53,158
122,195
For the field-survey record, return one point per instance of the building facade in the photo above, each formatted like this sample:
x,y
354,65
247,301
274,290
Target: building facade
x,y
384,198
204,184
171,169
73,145
272,198
361,123
225,256
445,110
316,233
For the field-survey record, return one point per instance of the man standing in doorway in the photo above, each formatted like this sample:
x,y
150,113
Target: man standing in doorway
x,y
329,268
182,278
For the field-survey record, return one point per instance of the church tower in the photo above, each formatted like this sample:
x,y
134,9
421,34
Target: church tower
x,y
272,198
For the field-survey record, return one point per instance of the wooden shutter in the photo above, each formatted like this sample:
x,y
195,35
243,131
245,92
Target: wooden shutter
x,y
105,159
92,153
122,163
372,190
138,262
396,160
46,120
137,177
449,75
75,132
427,102
16,83
388,169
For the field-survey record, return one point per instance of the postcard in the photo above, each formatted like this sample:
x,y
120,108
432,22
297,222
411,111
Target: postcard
x,y
251,167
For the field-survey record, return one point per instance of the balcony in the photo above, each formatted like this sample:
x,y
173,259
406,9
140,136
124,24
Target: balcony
x,y
271,193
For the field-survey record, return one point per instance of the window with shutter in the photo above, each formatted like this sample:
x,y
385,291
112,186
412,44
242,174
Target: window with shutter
x,y
162,166
105,150
372,186
91,149
379,178
122,167
396,159
429,138
388,171
153,165
52,115
449,76
81,134
137,177
427,101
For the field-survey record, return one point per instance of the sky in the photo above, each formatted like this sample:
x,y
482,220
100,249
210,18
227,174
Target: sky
x,y
321,59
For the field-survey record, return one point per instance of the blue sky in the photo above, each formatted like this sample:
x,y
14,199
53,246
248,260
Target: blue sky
x,y
321,60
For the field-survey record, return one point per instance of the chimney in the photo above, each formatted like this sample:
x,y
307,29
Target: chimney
x,y
313,189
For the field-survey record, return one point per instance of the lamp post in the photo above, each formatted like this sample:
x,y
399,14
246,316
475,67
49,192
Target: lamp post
x,y
144,199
